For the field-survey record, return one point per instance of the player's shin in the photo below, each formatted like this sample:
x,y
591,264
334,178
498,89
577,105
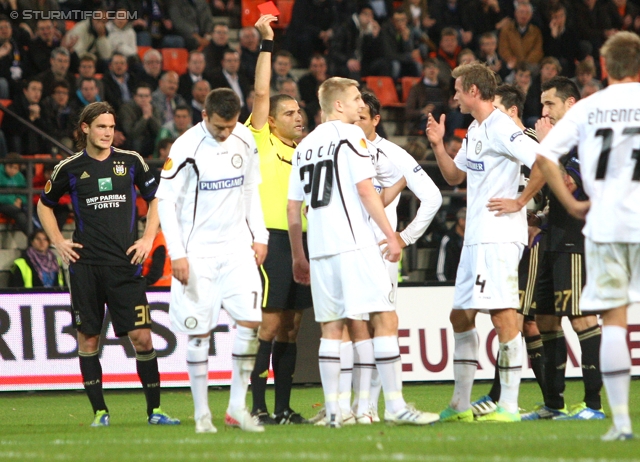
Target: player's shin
x,y
284,365
147,366
615,364
91,370
329,362
363,367
243,354
465,363
510,366
259,376
198,368
346,376
387,357
590,340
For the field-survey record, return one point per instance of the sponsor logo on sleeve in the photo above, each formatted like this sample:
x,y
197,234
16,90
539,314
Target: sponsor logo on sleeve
x,y
168,164
417,169
515,135
475,166
47,187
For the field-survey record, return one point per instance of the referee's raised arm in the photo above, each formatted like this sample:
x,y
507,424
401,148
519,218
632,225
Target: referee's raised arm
x,y
260,113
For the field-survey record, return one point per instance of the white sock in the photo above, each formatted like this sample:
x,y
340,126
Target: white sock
x,y
198,369
510,369
615,364
346,377
376,386
329,361
465,363
387,356
363,367
243,358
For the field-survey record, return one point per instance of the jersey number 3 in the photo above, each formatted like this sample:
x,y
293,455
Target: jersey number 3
x,y
607,141
318,180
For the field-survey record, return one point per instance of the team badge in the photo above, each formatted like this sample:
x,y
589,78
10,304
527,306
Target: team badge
x,y
363,143
190,322
105,184
236,160
478,147
119,169
392,296
47,187
168,164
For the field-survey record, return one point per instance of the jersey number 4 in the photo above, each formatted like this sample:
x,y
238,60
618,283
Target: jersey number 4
x,y
318,180
607,141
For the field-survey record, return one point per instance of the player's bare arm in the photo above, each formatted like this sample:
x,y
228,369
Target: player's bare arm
x,y
435,134
557,184
301,272
388,195
260,113
65,247
142,246
503,206
373,205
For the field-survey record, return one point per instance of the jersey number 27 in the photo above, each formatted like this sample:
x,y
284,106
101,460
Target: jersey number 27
x,y
318,180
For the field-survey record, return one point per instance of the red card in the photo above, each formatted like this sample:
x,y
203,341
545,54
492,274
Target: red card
x,y
269,8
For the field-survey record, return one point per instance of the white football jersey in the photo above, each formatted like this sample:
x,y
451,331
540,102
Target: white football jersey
x,y
211,184
417,181
491,155
606,128
327,165
387,174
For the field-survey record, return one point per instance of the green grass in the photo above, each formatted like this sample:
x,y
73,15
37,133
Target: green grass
x,y
55,427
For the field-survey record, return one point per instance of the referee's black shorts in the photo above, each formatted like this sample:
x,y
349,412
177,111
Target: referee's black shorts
x,y
279,290
560,282
528,277
121,288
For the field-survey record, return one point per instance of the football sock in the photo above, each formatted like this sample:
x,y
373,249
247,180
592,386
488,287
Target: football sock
x,y
376,386
535,353
346,376
363,366
259,375
591,376
615,363
284,365
494,393
555,363
91,371
510,366
198,369
387,356
147,367
329,362
243,358
465,363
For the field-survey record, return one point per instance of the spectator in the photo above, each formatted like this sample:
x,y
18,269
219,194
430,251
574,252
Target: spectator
x,y
20,138
549,68
399,46
429,96
451,248
481,16
46,6
181,123
118,83
121,35
195,73
447,54
12,55
86,94
448,13
38,266
59,70
164,148
151,68
627,16
585,75
282,64
58,116
249,51
289,87
466,56
166,98
589,89
40,48
152,27
309,83
355,50
192,20
199,93
561,41
520,40
382,10
594,22
489,55
87,68
12,204
420,23
141,121
90,35
229,9
229,77
215,49
522,77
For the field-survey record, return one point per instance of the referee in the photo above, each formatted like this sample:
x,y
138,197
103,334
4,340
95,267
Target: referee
x,y
275,123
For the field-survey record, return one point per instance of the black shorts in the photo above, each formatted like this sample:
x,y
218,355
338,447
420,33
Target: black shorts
x,y
121,288
279,290
528,278
561,278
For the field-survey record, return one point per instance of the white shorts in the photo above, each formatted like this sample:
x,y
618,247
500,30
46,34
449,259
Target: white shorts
x,y
487,277
613,275
229,281
350,284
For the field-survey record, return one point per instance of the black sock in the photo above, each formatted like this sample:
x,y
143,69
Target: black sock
x,y
535,352
147,366
259,376
591,375
284,365
555,363
91,371
494,393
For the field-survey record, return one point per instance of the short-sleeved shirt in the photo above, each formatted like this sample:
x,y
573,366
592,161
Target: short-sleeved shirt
x,y
606,128
492,154
275,168
103,195
326,167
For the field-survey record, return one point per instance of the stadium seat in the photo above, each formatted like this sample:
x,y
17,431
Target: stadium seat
x,y
249,12
385,90
5,102
460,132
174,59
142,50
407,83
286,8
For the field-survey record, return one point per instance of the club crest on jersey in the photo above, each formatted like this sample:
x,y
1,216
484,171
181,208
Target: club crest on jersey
x,y
190,322
119,169
105,184
167,164
236,160
47,187
478,147
515,135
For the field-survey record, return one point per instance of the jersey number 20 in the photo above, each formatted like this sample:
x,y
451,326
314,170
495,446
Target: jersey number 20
x,y
318,182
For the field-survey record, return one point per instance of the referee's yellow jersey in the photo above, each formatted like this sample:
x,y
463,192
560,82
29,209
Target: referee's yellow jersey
x,y
275,168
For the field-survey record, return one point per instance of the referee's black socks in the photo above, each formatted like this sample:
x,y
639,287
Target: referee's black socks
x,y
91,371
147,367
284,365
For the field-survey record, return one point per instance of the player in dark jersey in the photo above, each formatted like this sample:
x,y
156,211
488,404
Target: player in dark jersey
x,y
562,276
104,256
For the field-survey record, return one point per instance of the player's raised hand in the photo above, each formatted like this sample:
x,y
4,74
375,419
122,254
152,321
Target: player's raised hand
x,y
435,130
301,272
263,24
65,250
180,270
260,251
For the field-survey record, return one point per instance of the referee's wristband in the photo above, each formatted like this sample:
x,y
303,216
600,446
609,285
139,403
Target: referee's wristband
x,y
266,46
